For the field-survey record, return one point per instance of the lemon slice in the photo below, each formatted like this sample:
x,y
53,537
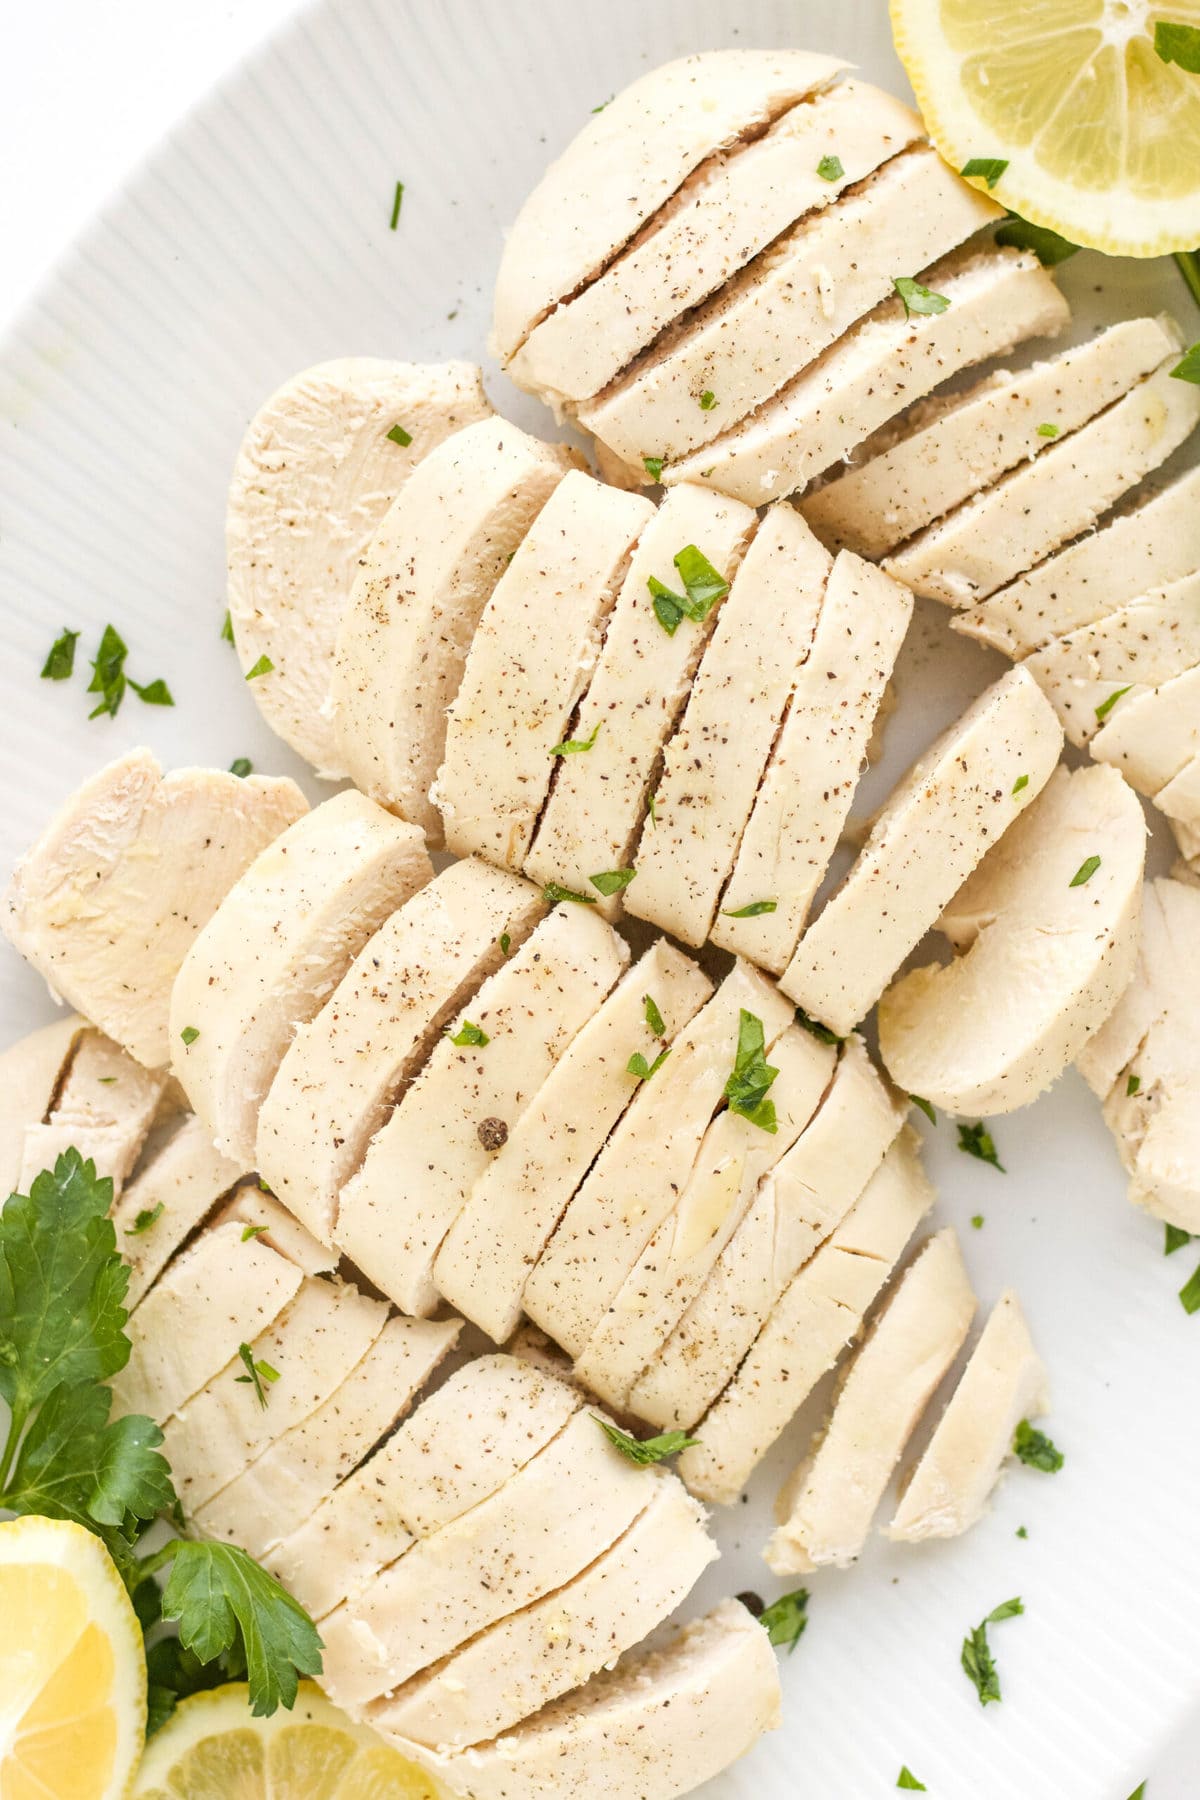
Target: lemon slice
x,y
72,1666
1100,134
212,1748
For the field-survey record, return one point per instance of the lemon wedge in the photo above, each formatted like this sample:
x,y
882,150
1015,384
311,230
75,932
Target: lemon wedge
x,y
213,1748
72,1666
1100,134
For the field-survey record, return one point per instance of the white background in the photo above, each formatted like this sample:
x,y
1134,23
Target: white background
x,y
85,91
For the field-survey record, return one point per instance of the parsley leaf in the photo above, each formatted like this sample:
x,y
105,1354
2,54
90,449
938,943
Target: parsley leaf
x,y
145,1219
653,466
977,1141
612,881
241,766
637,1065
1020,784
108,673
925,1107
1179,44
1048,431
977,1657
830,168
754,910
397,203
264,666
704,584
253,1231
74,1463
1175,1238
60,663
1084,872
190,1033
654,1018
906,1778
746,1089
707,400
977,1221
1035,1449
553,893
227,628
398,435
644,1451
256,1373
1106,706
1188,367
1139,1792
153,693
985,168
1049,248
815,1029
469,1034
918,299
784,1621
576,746
505,942
1189,1294
215,1591
670,608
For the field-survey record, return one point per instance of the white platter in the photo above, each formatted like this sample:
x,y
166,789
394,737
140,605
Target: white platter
x,y
256,241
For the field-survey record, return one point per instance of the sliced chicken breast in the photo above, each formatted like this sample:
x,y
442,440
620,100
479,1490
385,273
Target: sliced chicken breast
x,y
221,1292
729,209
997,298
31,1073
419,588
630,157
1180,801
637,1179
796,299
735,1155
518,1199
825,1509
1152,737
255,1209
1150,546
949,449
346,1065
420,1168
1003,1383
803,1198
280,941
599,796
954,802
170,1196
715,759
288,1481
458,1448
313,1346
109,900
104,1108
530,1658
529,664
819,1313
540,1530
811,777
318,468
1039,507
659,1725
1046,936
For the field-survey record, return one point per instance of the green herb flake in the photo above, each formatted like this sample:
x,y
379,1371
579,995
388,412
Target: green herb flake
x,y
1132,1086
637,1065
1048,431
553,894
906,1778
830,168
785,1620
653,466
145,1219
227,628
1188,367
468,1035
670,608
1139,1792
977,1221
1022,1532
752,1076
1020,784
397,203
1189,1294
977,1659
918,299
654,1018
398,435
815,1029
925,1107
1174,1238
1036,1450
257,1371
253,1231
1049,248
1084,872
707,400
263,666
651,804
505,942
977,1141
60,663
241,766
154,693
754,910
704,584
985,168
1178,44
108,673
612,881
190,1033
1106,706
645,1451
576,746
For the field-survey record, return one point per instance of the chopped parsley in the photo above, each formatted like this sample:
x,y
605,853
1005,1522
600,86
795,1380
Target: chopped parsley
x,y
977,1141
241,766
145,1219
1175,1237
1020,784
653,466
108,673
1188,367
918,299
1048,431
1036,1450
576,746
1132,1085
1022,1532
227,628
925,1107
253,1231
1139,1792
397,203
977,1221
703,587
257,1371
60,663
553,893
985,168
468,1034
637,1064
906,1778
707,400
754,910
830,168
505,942
644,1451
263,666
747,1087
1106,706
784,1621
1049,248
190,1033
815,1029
1084,872
1179,44
612,881
1189,1294
654,1018
977,1657
651,804
398,435
155,693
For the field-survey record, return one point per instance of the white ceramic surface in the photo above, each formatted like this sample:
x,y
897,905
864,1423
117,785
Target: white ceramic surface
x,y
255,241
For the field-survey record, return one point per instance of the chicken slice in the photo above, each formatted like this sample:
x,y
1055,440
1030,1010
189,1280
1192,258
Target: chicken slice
x,y
1152,737
1180,801
1039,507
256,1210
529,664
818,1314
171,1194
796,299
31,1072
637,1179
715,759
798,1203
313,1346
104,1108
629,159
659,1725
811,777
528,1659
826,1507
1045,933
735,1155
419,588
301,1466
566,1507
518,1199
458,1448
345,1066
420,1168
108,902
1127,652
954,802
317,470
728,211
221,1292
1143,1061
1003,1383
280,941
598,798
1151,546
997,298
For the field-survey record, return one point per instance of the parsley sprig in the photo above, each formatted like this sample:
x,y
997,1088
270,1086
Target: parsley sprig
x,y
977,1658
